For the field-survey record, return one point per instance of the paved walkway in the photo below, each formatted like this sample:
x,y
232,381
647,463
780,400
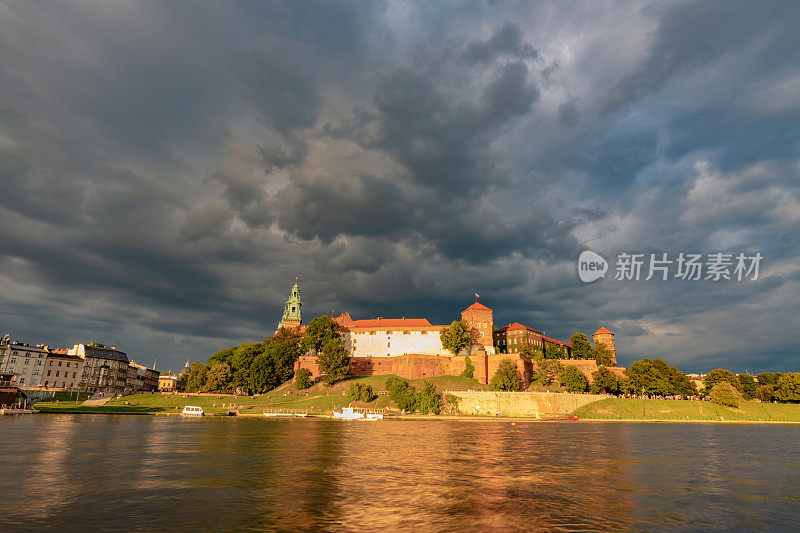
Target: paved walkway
x,y
97,399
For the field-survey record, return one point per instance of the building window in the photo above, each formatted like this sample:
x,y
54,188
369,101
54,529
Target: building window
x,y
27,361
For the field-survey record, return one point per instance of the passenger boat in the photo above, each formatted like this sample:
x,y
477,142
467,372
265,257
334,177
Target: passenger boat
x,y
192,410
352,413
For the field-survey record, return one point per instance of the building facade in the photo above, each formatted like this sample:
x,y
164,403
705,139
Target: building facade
x,y
514,337
62,370
170,383
142,378
25,362
105,369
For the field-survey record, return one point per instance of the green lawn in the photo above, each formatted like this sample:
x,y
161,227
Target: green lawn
x,y
645,409
316,399
64,396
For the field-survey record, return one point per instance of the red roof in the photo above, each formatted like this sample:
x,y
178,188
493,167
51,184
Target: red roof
x,y
389,323
517,325
602,331
477,307
562,343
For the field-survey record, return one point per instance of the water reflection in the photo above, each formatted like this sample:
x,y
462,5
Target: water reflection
x,y
156,473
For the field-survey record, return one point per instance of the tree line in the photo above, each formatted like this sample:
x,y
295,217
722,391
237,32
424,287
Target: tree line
x,y
254,368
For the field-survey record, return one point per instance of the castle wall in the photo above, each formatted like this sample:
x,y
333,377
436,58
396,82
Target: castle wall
x,y
415,366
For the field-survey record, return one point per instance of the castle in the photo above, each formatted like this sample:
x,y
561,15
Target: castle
x,y
412,347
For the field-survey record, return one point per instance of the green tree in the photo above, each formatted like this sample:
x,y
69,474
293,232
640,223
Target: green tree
x,y
768,378
649,376
222,356
788,387
602,355
604,380
360,392
506,378
430,401
581,348
767,393
197,377
320,331
573,379
718,376
456,336
748,386
724,393
469,371
303,379
218,378
241,361
334,361
403,394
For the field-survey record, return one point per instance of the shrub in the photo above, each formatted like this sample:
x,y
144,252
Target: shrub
x,y
470,369
430,401
303,379
506,378
724,393
573,379
403,394
360,392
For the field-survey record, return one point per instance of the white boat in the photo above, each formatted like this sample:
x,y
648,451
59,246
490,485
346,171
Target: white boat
x,y
351,413
192,410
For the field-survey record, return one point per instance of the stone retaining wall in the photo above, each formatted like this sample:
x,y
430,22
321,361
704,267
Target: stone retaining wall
x,y
527,404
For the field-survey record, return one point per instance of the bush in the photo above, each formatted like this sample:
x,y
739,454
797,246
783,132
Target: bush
x,y
403,394
506,378
470,369
573,379
724,393
303,379
430,401
359,392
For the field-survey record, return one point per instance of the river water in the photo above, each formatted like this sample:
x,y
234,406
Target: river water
x,y
156,473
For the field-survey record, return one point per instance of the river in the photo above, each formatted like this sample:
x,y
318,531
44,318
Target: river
x,y
158,473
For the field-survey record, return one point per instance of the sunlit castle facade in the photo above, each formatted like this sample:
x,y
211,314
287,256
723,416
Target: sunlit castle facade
x,y
390,337
412,347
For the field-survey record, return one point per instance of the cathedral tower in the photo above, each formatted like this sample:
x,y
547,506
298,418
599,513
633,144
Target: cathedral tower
x,y
291,310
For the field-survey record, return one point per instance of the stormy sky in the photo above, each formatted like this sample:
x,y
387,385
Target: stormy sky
x,y
168,168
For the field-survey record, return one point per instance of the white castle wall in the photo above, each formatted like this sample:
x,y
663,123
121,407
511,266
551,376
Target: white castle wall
x,y
391,343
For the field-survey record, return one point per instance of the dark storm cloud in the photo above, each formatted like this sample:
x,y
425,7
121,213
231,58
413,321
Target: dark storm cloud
x,y
167,169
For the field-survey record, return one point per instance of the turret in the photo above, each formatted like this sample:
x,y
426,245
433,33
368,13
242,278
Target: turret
x,y
606,338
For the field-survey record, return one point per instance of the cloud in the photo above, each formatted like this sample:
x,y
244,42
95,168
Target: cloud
x,y
167,170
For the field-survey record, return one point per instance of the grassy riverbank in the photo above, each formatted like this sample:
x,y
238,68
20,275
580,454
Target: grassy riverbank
x,y
680,410
317,399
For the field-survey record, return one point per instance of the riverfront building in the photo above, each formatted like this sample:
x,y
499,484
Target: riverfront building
x,y
25,362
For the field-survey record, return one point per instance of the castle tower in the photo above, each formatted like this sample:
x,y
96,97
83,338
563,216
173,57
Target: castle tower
x,y
605,337
479,318
291,310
